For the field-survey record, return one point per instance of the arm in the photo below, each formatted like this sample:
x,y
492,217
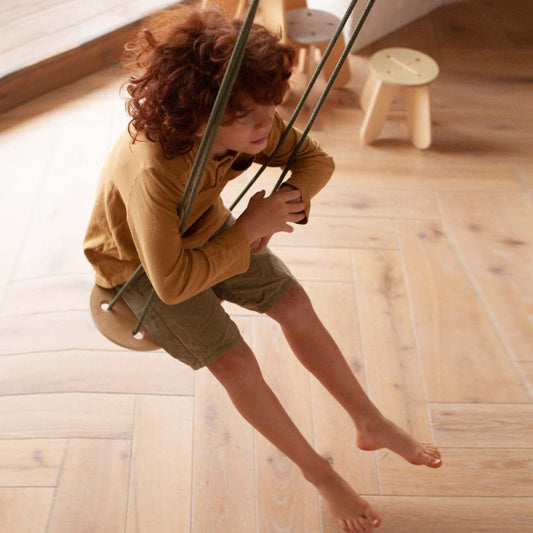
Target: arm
x,y
312,168
176,271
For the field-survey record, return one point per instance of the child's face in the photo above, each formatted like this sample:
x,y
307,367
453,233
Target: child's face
x,y
247,133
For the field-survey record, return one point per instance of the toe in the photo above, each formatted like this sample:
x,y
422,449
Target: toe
x,y
433,458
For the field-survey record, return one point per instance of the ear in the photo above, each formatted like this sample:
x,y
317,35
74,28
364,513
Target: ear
x,y
200,131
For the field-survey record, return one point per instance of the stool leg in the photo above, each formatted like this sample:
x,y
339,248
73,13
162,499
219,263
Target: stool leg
x,y
344,75
419,116
378,107
368,89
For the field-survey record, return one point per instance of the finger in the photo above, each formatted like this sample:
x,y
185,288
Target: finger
x,y
287,228
296,207
296,217
258,195
290,194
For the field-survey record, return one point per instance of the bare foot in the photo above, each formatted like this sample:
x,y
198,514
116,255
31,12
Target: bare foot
x,y
386,434
350,511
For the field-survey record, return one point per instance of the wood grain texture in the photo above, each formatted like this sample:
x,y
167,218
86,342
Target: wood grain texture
x,y
432,315
443,301
31,462
392,360
92,492
493,234
161,470
480,472
405,514
19,504
483,425
67,416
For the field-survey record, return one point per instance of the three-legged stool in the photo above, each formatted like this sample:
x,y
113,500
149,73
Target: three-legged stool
x,y
396,70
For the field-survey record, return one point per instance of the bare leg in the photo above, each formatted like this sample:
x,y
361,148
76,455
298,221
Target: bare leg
x,y
239,373
319,353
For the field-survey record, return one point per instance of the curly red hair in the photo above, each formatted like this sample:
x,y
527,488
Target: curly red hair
x,y
178,63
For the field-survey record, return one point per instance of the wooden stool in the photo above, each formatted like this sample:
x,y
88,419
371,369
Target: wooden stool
x,y
308,30
312,29
396,70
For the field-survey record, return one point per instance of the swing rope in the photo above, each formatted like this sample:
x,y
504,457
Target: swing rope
x,y
306,93
194,179
215,118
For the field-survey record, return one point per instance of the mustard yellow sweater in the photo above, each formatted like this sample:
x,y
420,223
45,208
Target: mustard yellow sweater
x,y
134,219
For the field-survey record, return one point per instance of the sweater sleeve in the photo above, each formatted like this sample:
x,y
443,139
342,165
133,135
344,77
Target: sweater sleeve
x,y
312,167
175,271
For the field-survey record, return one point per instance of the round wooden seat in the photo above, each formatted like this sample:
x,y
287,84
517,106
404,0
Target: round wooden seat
x,y
118,324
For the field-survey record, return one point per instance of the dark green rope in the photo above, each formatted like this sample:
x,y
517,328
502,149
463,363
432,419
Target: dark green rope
x,y
215,118
325,93
202,155
217,113
301,101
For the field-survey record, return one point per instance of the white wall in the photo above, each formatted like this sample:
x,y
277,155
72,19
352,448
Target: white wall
x,y
385,17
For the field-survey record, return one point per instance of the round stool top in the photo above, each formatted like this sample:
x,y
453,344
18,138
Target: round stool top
x,y
403,66
310,26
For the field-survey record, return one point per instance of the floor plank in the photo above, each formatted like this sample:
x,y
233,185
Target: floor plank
x,y
345,200
98,372
528,371
443,300
465,472
483,425
404,514
52,332
56,416
493,235
452,172
47,294
391,357
31,462
18,504
91,495
160,481
341,232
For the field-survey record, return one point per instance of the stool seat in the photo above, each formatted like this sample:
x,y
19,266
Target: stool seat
x,y
310,26
118,324
394,70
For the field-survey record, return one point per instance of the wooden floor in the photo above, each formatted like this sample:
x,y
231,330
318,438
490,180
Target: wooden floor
x,y
48,43
419,262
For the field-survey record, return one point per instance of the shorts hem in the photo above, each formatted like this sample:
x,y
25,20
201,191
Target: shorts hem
x,y
288,285
217,355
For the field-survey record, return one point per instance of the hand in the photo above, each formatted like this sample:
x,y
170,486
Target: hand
x,y
265,216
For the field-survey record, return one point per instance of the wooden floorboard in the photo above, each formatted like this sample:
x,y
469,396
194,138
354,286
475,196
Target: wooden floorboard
x,y
418,262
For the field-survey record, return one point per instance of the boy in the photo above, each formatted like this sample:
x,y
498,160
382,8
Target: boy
x,y
178,66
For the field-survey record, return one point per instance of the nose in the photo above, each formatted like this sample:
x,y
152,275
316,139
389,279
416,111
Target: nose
x,y
264,116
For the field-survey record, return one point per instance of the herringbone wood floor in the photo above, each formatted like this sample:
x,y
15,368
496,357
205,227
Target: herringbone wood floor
x,y
420,263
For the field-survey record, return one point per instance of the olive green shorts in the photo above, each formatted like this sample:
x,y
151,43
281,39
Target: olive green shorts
x,y
198,331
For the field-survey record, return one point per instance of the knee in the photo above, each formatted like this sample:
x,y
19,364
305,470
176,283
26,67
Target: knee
x,y
237,366
294,307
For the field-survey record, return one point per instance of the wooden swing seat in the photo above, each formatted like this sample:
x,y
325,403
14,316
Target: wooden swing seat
x,y
118,324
